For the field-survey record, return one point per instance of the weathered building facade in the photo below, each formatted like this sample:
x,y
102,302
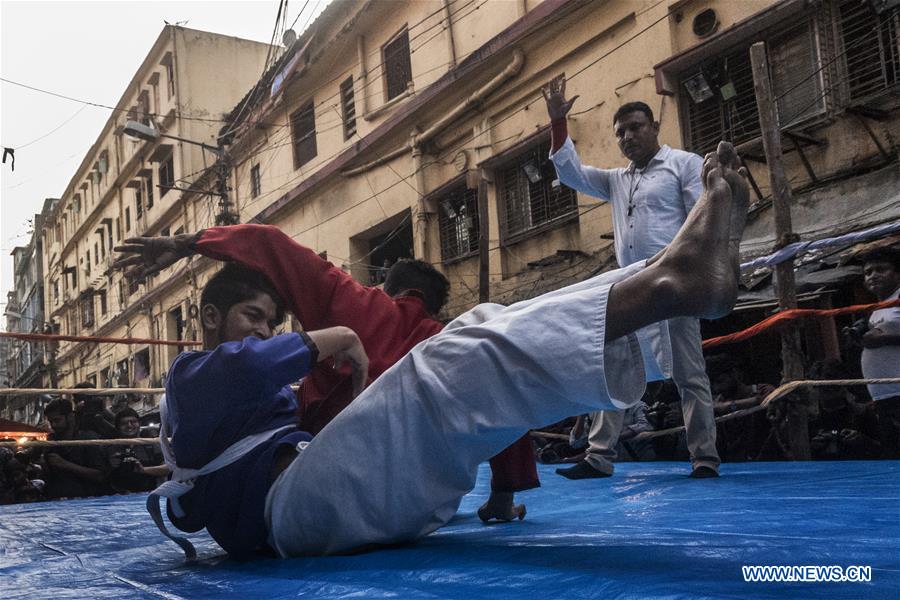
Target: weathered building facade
x,y
417,128
27,360
126,187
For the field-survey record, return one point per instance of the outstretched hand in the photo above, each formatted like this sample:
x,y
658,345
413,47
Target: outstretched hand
x,y
555,97
144,256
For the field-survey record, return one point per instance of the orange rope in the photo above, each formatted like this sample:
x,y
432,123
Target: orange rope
x,y
779,319
46,337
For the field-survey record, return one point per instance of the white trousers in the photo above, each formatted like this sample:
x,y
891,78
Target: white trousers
x,y
395,464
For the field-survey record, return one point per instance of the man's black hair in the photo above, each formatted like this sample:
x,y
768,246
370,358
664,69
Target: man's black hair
x,y
627,109
886,254
59,406
85,385
412,274
126,412
236,283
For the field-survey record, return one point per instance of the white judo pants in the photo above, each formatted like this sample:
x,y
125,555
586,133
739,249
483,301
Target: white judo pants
x,y
396,463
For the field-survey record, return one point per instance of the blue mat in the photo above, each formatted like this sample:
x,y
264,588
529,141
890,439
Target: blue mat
x,y
647,532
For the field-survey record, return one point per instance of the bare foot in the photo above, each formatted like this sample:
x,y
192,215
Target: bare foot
x,y
702,258
500,507
735,174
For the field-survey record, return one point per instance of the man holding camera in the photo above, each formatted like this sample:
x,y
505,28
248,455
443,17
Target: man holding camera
x,y
134,468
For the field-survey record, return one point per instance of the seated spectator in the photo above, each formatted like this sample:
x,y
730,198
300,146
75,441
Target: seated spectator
x,y
91,413
740,439
664,412
634,422
551,443
72,471
7,492
841,425
134,468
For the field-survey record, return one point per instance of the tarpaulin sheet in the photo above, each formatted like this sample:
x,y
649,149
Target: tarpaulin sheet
x,y
647,532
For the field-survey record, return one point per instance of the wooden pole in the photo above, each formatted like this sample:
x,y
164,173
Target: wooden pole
x,y
484,291
791,354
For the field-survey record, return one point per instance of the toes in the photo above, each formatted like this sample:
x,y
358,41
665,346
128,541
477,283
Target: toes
x,y
727,155
712,171
710,162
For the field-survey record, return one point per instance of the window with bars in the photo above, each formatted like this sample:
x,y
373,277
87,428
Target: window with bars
x,y
871,46
458,222
255,184
166,175
840,53
303,132
348,108
530,193
730,111
397,65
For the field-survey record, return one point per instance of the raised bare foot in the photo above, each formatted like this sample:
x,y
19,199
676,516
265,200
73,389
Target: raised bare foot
x,y
701,257
500,507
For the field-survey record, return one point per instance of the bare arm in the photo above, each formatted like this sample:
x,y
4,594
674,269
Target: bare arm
x,y
58,462
157,471
344,345
875,338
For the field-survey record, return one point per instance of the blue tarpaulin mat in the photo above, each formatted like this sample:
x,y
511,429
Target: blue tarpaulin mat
x,y
647,532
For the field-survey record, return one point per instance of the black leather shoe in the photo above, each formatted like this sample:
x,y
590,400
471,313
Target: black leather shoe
x,y
704,472
582,470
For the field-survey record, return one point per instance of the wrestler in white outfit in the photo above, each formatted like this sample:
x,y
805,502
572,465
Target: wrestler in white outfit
x,y
395,465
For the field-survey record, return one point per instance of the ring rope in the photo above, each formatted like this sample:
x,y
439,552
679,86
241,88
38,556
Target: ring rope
x,y
790,314
87,391
777,394
54,443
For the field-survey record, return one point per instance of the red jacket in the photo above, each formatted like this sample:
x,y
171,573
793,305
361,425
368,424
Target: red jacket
x,y
320,295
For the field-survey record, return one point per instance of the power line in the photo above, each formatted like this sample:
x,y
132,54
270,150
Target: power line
x,y
466,140
52,131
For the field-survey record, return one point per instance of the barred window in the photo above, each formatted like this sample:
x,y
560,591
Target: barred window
x,y
458,222
531,194
840,53
871,46
397,65
303,127
348,108
720,100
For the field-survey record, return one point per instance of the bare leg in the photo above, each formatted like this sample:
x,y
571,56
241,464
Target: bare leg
x,y
697,274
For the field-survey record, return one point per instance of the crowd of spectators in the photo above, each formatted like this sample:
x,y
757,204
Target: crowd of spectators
x,y
844,422
32,474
